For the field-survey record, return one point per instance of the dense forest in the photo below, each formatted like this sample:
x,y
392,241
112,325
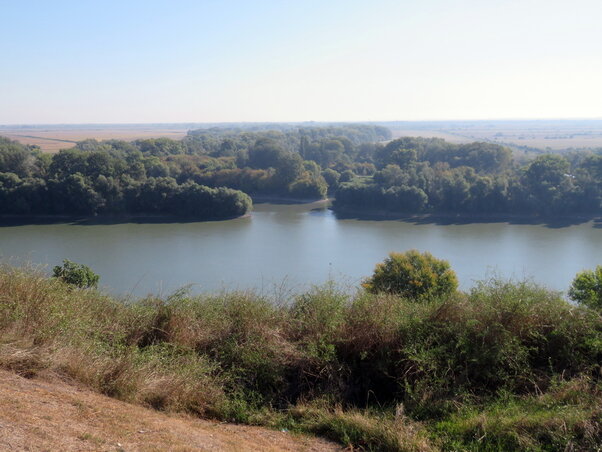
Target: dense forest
x,y
202,176
417,175
104,178
210,172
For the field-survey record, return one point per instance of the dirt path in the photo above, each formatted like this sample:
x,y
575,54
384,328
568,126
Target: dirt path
x,y
41,415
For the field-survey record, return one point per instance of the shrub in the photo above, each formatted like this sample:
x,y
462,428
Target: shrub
x,y
507,366
414,275
586,288
78,275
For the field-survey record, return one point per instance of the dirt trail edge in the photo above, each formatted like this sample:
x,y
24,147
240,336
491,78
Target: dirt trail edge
x,y
50,415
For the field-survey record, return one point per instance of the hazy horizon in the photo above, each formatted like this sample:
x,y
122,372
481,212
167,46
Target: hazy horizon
x,y
393,121
159,62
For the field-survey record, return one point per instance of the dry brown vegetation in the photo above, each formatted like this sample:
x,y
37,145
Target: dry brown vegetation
x,y
508,366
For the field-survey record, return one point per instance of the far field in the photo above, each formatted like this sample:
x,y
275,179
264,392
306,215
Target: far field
x,y
525,135
55,138
554,135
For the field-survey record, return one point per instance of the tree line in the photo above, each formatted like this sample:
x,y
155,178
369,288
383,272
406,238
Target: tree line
x,y
356,164
208,174
104,181
417,175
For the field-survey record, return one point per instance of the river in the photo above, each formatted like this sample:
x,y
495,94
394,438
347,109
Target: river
x,y
284,248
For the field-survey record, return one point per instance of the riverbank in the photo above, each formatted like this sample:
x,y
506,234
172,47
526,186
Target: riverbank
x,y
507,366
15,220
287,200
464,218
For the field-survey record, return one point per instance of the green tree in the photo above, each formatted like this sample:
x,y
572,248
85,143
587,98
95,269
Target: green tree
x,y
414,275
332,178
265,153
347,176
14,157
289,167
549,169
75,195
586,288
309,186
78,275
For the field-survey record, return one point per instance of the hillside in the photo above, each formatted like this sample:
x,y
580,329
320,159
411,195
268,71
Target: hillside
x,y
505,367
49,414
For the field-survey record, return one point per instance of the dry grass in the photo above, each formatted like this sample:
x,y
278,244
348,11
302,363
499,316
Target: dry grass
x,y
355,428
373,371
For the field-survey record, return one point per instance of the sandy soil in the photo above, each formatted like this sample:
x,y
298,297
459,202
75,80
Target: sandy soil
x,y
50,415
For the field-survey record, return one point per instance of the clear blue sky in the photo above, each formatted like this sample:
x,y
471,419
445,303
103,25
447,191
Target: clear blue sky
x,y
205,61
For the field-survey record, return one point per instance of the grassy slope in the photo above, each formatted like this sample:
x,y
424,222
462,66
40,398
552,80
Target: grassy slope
x,y
505,367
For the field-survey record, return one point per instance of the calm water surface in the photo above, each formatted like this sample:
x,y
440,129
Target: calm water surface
x,y
294,246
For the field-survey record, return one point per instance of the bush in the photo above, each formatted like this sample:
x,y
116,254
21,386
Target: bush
x,y
78,275
507,366
586,288
414,275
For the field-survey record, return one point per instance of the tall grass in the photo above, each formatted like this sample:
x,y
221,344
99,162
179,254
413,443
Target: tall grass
x,y
377,372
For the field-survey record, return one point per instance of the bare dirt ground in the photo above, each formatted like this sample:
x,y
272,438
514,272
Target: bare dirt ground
x,y
50,415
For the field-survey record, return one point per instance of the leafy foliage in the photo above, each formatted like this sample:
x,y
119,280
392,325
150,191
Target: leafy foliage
x,y
413,275
586,288
416,175
350,162
78,275
109,178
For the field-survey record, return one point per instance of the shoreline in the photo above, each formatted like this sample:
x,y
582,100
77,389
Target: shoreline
x,y
108,219
344,213
286,200
340,213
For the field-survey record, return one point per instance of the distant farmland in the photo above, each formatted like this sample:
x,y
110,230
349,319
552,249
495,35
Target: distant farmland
x,y
534,135
555,135
53,138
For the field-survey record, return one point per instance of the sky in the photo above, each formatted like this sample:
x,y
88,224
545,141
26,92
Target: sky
x,y
131,61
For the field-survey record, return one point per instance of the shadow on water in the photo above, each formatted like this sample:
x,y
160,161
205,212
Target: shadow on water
x,y
103,220
288,201
449,220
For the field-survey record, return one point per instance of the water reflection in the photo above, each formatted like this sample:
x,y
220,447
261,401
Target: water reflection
x,y
300,244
